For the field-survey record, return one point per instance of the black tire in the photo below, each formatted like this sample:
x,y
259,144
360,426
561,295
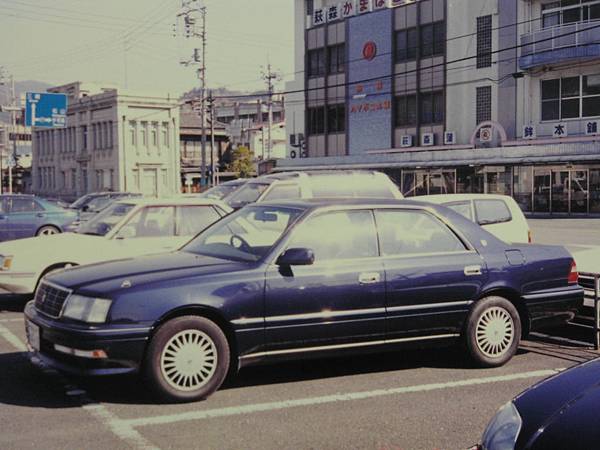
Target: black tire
x,y
178,372
47,230
493,331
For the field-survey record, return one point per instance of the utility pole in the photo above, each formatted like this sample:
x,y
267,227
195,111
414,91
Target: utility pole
x,y
190,11
211,106
269,76
13,122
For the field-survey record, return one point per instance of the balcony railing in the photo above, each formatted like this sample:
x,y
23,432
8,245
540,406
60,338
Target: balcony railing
x,y
560,44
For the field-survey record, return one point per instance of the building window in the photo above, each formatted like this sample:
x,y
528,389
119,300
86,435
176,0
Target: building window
x,y
316,62
74,179
406,111
406,45
569,11
310,7
431,107
571,97
336,118
110,134
165,134
336,58
154,134
433,39
143,130
316,120
132,132
484,41
84,132
483,104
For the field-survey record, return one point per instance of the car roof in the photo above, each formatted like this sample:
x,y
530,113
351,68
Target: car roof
x,y
446,198
269,178
369,202
168,201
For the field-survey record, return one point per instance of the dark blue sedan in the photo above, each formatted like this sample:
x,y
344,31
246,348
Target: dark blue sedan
x,y
23,216
300,279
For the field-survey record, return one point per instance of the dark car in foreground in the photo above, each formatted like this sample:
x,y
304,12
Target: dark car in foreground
x,y
301,279
23,216
558,413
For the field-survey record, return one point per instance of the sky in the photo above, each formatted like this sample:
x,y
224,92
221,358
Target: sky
x,y
130,43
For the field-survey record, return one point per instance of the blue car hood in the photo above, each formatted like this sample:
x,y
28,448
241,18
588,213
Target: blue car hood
x,y
563,411
109,277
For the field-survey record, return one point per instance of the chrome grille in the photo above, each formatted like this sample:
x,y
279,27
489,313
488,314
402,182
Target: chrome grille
x,y
49,299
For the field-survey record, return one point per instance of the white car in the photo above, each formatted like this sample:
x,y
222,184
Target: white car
x,y
127,228
498,214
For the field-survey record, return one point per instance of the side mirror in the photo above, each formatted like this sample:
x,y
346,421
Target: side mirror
x,y
127,232
296,257
85,208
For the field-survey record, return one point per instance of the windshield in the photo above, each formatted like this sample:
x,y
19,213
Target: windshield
x,y
246,235
248,193
105,220
98,203
82,201
218,192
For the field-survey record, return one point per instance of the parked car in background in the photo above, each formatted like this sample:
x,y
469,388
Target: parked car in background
x,y
560,412
499,214
125,228
89,205
315,184
296,279
23,216
224,189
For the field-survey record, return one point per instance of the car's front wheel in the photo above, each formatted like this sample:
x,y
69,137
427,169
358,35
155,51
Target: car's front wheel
x,y
47,230
188,359
493,331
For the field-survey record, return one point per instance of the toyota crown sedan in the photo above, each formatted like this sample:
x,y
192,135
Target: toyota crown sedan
x,y
301,279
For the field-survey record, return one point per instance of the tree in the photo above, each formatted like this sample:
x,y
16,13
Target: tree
x,y
242,162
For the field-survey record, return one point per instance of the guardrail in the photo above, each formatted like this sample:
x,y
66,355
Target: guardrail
x,y
591,284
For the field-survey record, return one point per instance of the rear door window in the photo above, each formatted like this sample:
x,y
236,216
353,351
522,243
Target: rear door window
x,y
283,192
492,211
24,205
191,220
153,221
405,232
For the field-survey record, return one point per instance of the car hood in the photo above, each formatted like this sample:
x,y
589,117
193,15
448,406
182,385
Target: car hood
x,y
562,411
52,243
111,277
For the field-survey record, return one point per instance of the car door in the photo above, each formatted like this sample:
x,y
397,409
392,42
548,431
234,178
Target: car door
x,y
150,230
432,275
339,299
25,217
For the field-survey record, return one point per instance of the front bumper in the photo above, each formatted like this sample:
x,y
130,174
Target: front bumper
x,y
553,307
17,282
124,346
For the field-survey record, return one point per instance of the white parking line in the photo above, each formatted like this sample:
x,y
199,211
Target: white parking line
x,y
10,320
118,427
561,339
310,401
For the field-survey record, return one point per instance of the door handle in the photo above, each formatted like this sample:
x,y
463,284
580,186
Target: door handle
x,y
369,277
41,215
472,270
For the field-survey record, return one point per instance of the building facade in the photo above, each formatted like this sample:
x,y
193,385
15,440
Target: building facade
x,y
447,97
112,141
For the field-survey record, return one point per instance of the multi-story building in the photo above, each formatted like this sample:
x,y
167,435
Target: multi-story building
x,y
112,141
498,96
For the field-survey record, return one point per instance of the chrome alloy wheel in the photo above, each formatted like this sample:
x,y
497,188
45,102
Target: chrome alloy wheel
x,y
495,332
47,231
188,360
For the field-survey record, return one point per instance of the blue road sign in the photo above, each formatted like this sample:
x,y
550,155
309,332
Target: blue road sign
x,y
46,110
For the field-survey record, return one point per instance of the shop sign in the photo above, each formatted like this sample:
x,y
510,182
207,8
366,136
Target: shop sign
x,y
364,6
406,140
485,134
427,139
529,132
380,4
347,9
592,127
333,13
351,8
449,138
319,17
559,130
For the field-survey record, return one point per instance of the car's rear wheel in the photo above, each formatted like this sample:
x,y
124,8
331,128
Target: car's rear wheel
x,y
187,359
493,331
47,230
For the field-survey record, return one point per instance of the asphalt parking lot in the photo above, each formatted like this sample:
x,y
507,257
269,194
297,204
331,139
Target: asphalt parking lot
x,y
414,399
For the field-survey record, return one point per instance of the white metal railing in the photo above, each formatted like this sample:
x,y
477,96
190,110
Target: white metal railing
x,y
591,285
560,36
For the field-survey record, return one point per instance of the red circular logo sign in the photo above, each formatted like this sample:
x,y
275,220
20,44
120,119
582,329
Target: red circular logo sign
x,y
369,50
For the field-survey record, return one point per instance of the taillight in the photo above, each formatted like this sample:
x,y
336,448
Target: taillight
x,y
529,236
573,274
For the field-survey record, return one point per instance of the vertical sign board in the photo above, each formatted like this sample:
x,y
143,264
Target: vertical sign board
x,y
369,81
45,110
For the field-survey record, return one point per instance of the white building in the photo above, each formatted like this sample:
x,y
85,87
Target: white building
x,y
112,141
498,96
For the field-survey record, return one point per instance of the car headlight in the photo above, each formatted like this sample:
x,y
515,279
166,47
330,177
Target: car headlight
x,y
503,430
86,309
5,262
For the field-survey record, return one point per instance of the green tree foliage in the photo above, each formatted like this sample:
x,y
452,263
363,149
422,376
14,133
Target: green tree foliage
x,y
242,162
